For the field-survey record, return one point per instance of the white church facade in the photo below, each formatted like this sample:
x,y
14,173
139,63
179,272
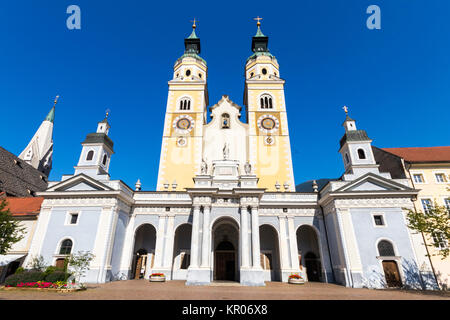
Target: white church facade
x,y
226,205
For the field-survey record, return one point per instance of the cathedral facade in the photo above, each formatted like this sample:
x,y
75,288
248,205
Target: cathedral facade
x,y
226,205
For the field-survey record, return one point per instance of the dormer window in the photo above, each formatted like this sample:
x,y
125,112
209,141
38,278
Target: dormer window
x,y
361,154
225,121
90,155
185,104
266,102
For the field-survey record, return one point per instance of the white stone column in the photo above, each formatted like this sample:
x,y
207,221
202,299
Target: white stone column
x,y
168,245
244,238
293,244
160,242
195,237
205,237
256,250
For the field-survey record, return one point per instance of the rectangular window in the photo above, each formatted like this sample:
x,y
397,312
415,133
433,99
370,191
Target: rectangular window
x,y
418,178
427,205
439,241
440,177
378,220
73,218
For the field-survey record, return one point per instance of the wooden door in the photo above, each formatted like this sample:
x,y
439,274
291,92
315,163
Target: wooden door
x,y
137,273
225,266
60,263
392,274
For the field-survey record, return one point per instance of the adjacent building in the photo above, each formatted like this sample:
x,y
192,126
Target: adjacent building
x,y
428,169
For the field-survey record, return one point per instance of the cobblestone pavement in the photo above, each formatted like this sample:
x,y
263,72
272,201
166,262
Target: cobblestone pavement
x,y
177,290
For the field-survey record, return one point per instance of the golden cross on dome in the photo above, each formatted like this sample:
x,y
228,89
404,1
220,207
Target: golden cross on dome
x,y
107,112
345,109
259,20
194,25
56,100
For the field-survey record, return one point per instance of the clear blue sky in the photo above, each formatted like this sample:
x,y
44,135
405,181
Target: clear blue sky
x,y
396,81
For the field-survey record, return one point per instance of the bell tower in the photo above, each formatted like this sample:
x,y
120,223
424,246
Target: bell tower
x,y
181,149
269,144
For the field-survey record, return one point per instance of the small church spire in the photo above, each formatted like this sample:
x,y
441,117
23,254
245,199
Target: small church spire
x,y
258,24
349,124
39,150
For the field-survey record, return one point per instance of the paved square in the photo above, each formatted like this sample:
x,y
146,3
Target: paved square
x,y
177,290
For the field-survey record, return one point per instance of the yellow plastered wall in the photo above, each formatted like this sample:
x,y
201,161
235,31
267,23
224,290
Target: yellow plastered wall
x,y
437,192
181,163
272,163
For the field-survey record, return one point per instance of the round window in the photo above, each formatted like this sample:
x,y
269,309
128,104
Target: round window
x,y
188,73
264,71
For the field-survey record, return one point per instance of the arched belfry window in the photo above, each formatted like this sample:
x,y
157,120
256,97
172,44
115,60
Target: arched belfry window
x,y
66,247
185,104
385,249
90,155
225,121
105,159
361,154
266,102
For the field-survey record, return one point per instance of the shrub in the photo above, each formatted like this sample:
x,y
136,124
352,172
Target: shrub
x,y
49,271
28,276
57,276
19,270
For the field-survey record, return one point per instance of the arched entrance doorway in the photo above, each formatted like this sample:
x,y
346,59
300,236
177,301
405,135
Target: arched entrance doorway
x,y
270,254
390,267
226,246
181,251
143,251
309,253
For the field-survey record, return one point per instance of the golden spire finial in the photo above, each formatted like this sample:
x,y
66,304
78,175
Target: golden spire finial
x,y
56,101
259,20
194,25
345,109
107,112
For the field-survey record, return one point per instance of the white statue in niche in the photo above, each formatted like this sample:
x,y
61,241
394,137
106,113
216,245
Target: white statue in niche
x,y
226,151
204,167
248,168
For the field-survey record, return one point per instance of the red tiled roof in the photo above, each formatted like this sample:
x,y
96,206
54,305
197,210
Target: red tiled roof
x,y
24,206
422,154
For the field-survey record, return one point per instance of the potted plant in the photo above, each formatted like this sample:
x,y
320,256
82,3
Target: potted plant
x,y
157,277
296,279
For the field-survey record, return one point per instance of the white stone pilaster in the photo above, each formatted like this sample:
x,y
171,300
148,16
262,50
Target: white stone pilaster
x,y
168,248
293,244
195,237
283,244
160,242
39,234
256,249
127,251
206,237
244,238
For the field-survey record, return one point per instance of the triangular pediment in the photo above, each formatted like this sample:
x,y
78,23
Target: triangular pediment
x,y
79,182
373,182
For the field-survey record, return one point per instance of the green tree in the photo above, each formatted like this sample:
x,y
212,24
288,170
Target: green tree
x,y
79,263
10,230
435,224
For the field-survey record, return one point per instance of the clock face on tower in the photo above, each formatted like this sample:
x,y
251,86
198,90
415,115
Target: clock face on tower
x,y
183,124
267,123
